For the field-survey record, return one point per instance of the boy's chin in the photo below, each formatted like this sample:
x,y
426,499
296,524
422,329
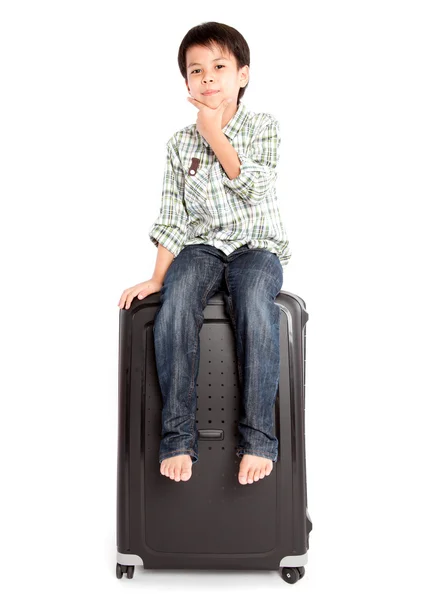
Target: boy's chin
x,y
212,101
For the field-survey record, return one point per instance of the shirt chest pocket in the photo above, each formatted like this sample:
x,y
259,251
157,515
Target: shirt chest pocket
x,y
204,191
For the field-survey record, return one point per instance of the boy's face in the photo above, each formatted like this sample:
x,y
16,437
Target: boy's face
x,y
211,74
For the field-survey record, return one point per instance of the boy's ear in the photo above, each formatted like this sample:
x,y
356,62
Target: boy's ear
x,y
245,74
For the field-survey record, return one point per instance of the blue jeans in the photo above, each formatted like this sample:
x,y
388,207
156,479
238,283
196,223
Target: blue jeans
x,y
253,279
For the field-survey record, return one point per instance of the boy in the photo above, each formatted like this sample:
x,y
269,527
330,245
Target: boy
x,y
219,218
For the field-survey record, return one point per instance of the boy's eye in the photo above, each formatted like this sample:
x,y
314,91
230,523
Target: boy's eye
x,y
199,69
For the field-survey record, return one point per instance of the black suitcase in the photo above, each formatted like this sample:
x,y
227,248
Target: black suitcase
x,y
210,521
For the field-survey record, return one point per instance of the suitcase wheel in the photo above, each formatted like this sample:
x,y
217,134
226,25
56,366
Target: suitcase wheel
x,y
120,569
292,574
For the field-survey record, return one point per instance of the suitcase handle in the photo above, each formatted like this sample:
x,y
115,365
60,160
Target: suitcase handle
x,y
211,435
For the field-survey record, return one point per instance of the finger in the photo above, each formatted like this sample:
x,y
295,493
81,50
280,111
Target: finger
x,y
122,298
224,104
141,294
130,297
122,302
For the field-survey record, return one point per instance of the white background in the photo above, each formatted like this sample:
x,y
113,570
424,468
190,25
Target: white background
x,y
90,93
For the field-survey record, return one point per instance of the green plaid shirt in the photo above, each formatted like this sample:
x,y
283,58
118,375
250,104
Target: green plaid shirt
x,y
201,205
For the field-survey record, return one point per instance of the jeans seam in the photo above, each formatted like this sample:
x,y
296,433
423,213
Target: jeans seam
x,y
194,351
171,453
233,320
180,450
244,451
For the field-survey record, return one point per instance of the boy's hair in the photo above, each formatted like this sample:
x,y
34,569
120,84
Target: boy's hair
x,y
224,36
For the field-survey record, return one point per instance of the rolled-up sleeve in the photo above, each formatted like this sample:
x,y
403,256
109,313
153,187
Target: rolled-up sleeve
x,y
170,227
258,169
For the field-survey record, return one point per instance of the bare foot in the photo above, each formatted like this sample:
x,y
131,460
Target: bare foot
x,y
253,468
177,468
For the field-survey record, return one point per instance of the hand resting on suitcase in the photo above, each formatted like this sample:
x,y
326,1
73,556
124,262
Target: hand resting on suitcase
x,y
141,290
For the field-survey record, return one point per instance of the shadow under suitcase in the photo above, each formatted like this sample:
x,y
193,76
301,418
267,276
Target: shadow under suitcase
x,y
210,521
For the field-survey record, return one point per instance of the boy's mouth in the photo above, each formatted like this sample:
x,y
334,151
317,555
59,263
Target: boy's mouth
x,y
210,92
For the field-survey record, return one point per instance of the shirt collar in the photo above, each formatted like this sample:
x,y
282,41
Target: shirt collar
x,y
234,125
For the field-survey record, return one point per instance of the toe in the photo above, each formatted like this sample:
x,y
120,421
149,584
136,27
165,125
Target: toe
x,y
256,474
243,474
185,474
251,475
